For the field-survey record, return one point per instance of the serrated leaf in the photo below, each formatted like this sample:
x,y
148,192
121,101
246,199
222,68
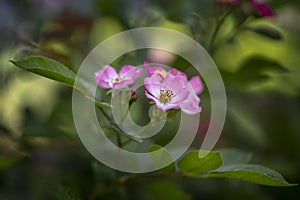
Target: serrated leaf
x,y
192,164
251,173
48,68
162,157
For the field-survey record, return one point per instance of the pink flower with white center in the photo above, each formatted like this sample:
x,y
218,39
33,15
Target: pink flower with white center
x,y
167,93
190,105
109,78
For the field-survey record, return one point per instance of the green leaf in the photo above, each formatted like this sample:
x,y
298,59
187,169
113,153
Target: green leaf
x,y
233,156
161,190
267,31
55,70
251,173
6,161
99,103
257,68
48,68
162,157
192,164
258,64
254,71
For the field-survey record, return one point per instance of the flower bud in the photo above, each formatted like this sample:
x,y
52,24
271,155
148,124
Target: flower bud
x,y
133,96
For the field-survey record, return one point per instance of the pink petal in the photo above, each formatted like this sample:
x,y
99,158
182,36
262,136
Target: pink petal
x,y
155,78
152,70
153,85
130,72
181,96
125,69
175,83
191,104
105,76
196,84
190,108
153,88
167,106
150,96
175,72
122,84
264,9
137,74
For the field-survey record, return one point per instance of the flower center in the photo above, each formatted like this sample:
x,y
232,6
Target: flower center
x,y
118,79
162,73
165,96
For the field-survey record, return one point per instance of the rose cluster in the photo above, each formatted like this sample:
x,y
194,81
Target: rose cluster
x,y
167,89
261,8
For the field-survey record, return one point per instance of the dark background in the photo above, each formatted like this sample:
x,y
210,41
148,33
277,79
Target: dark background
x,y
41,154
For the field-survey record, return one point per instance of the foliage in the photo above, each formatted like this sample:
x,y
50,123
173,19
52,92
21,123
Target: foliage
x,y
42,156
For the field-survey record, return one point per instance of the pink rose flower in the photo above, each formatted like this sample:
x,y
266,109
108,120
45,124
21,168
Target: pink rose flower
x,y
263,9
167,93
109,78
189,105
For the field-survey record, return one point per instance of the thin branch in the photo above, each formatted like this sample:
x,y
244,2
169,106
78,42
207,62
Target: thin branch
x,y
105,114
119,139
216,31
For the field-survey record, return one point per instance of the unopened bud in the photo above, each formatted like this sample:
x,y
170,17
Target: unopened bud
x,y
134,96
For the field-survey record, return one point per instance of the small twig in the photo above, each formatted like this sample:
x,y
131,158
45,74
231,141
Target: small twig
x,y
105,114
119,139
216,31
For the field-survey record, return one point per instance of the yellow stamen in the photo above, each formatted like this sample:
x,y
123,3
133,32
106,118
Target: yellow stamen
x,y
162,73
165,96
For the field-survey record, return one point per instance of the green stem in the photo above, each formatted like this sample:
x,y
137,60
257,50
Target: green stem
x,y
216,31
125,179
105,114
119,139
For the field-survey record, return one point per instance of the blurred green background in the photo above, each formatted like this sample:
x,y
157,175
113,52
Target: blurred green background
x,y
259,59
